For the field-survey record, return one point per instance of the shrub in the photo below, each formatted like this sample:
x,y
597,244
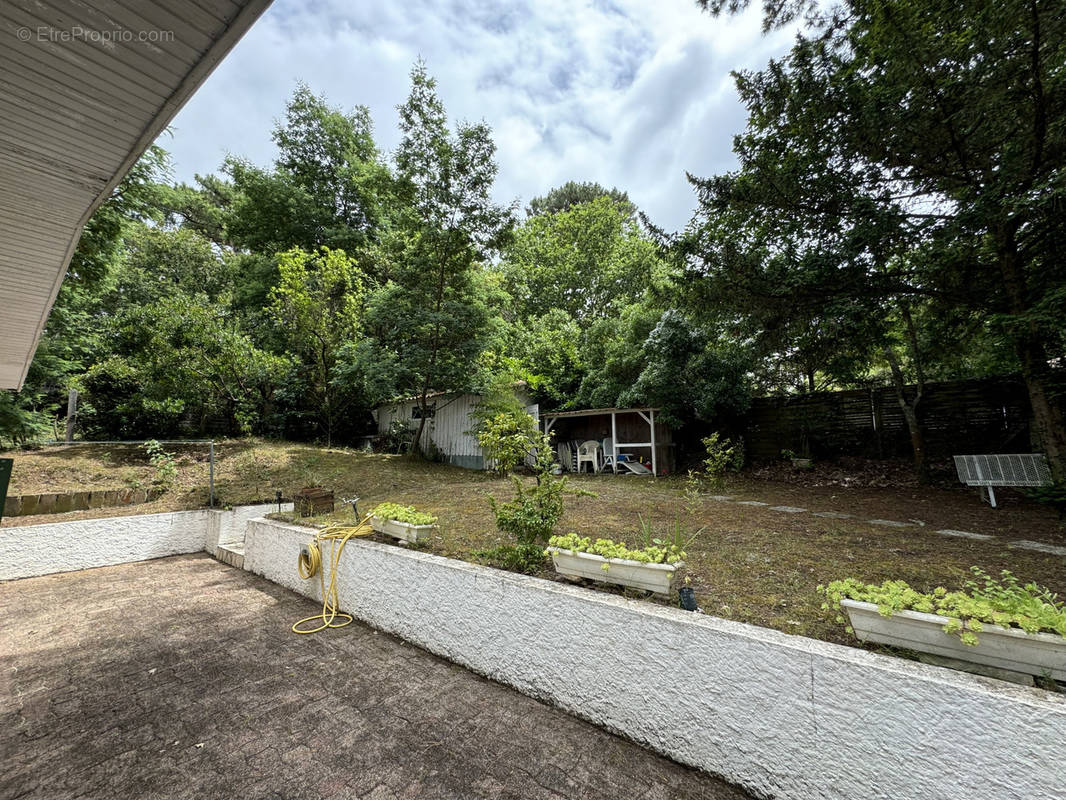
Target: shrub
x,y
166,468
529,559
722,456
507,439
533,513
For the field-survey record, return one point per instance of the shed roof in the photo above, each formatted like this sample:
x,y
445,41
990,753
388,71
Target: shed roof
x,y
85,88
595,412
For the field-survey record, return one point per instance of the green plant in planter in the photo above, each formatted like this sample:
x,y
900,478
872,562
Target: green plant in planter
x,y
608,548
986,600
407,514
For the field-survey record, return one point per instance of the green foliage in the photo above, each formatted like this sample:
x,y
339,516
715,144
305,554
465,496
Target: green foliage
x,y
535,510
573,193
903,153
722,456
408,514
505,439
317,304
999,601
166,468
655,554
428,323
20,425
588,261
528,559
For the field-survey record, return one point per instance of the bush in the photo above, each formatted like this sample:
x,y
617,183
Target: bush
x,y
529,559
533,513
722,456
507,439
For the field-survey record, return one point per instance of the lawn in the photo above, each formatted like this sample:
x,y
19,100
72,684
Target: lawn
x,y
750,563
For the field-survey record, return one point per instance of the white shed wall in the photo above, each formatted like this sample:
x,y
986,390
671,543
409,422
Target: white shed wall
x,y
448,429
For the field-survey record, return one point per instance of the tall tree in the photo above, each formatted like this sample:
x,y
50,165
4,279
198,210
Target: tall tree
x,y
573,193
589,260
920,147
428,321
318,303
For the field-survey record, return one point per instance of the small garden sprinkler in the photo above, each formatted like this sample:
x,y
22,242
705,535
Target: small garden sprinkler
x,y
354,503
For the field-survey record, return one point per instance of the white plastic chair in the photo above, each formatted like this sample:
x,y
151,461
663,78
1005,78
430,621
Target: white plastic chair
x,y
590,453
608,454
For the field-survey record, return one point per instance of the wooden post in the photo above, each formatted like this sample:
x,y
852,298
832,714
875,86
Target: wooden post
x,y
654,471
72,411
614,443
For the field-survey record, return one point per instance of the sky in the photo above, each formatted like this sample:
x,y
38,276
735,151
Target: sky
x,y
628,93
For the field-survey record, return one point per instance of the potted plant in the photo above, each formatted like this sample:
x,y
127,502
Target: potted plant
x,y
650,568
996,622
402,522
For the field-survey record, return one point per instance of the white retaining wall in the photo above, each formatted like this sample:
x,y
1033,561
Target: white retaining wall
x,y
783,716
28,550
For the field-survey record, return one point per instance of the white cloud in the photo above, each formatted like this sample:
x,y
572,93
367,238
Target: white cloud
x,y
630,93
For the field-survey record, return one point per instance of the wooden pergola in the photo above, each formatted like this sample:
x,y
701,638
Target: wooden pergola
x,y
647,414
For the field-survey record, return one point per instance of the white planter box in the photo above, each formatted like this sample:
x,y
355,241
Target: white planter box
x,y
1006,648
639,575
401,530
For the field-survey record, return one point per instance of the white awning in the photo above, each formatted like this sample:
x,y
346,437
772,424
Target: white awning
x,y
85,88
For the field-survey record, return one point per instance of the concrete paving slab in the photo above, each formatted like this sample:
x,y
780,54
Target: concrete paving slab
x,y
965,534
788,509
1040,547
834,515
752,503
890,523
181,678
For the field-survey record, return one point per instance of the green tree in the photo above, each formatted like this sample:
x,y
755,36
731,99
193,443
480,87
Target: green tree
x,y
916,150
572,193
317,305
428,322
589,261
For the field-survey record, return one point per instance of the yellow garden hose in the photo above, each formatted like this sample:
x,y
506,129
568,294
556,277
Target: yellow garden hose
x,y
309,564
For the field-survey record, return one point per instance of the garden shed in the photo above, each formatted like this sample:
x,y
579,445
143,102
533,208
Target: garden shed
x,y
447,434
634,431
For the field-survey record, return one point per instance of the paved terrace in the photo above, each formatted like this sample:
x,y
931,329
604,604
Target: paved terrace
x,y
179,678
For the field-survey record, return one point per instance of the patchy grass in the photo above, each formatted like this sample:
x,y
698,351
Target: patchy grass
x,y
750,564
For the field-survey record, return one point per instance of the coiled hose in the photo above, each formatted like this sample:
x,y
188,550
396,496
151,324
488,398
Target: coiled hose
x,y
309,564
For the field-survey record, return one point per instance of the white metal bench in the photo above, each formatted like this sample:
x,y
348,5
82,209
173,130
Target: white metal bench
x,y
988,471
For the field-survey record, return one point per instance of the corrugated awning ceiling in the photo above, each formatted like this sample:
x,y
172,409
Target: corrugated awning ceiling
x,y
84,90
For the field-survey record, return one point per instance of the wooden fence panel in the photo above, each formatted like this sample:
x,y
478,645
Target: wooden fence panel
x,y
975,416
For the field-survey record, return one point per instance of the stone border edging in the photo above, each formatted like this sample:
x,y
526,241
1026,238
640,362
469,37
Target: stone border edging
x,y
26,505
783,716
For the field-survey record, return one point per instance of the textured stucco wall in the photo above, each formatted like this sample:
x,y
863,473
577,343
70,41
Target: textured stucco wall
x,y
784,716
224,527
28,550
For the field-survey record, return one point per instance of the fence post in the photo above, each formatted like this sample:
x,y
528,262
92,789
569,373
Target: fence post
x,y
211,477
72,411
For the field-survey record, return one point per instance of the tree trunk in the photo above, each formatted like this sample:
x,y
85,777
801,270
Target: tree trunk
x,y
1048,422
415,452
910,415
